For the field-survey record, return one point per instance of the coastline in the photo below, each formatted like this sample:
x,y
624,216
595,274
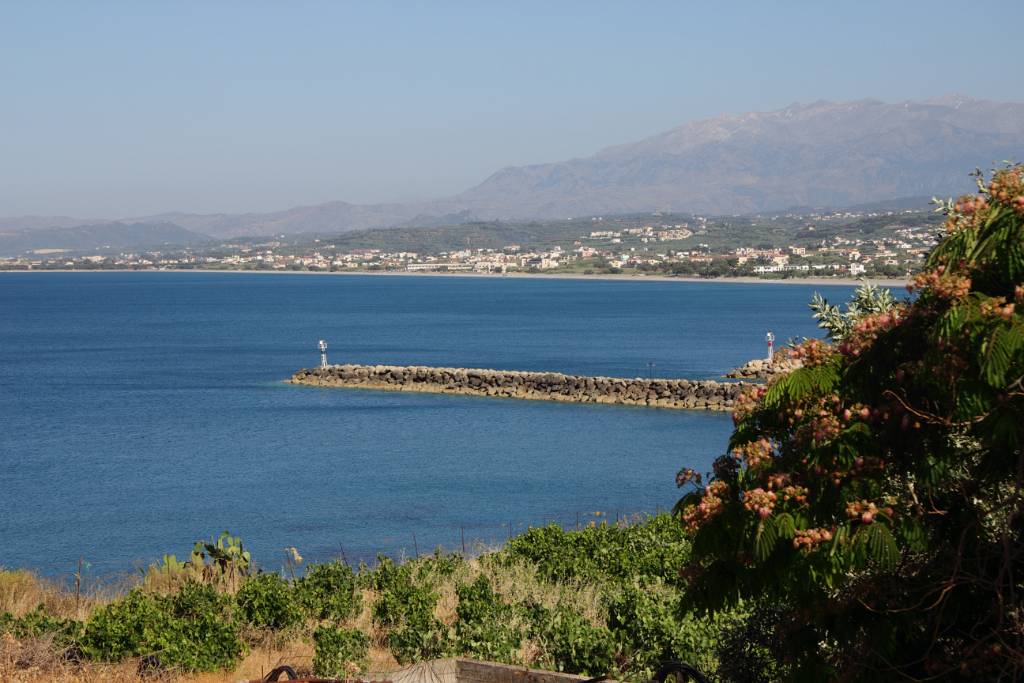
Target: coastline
x,y
707,394
624,277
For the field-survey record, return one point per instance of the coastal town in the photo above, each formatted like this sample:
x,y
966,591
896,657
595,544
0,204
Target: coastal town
x,y
810,246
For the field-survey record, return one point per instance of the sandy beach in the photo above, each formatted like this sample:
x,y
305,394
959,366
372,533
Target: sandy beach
x,y
745,280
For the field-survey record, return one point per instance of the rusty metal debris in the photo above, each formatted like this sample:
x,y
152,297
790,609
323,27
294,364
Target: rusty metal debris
x,y
680,671
287,673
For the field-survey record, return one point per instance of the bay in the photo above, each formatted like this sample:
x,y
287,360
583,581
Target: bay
x,y
143,411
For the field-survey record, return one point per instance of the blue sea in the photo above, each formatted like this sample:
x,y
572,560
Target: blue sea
x,y
140,412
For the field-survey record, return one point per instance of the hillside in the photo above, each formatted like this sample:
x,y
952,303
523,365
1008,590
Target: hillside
x,y
96,236
825,153
834,154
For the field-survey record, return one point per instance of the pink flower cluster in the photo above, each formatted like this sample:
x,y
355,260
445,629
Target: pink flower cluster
x,y
747,402
755,453
864,511
969,204
811,352
822,425
687,475
759,501
945,286
709,507
796,494
1007,186
998,307
867,330
808,538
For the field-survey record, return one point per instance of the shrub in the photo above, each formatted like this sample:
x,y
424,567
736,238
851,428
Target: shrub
x,y
421,636
202,633
399,596
406,608
119,630
646,628
876,491
654,549
267,601
868,299
747,650
651,628
338,652
572,644
487,628
193,630
439,565
381,577
328,591
37,624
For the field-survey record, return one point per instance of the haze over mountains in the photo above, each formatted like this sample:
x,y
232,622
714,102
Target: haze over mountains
x,y
831,154
820,154
112,234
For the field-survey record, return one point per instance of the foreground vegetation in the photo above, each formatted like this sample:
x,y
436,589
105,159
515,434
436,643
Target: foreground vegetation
x,y
867,524
605,599
876,495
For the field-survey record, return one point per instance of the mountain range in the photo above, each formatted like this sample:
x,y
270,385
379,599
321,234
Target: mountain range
x,y
91,236
826,154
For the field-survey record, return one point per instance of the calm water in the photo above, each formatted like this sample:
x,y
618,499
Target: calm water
x,y
141,411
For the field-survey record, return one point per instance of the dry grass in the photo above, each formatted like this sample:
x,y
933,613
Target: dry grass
x,y
381,659
520,584
37,660
22,591
34,661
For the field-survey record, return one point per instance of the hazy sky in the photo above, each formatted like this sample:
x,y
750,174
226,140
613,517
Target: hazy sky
x,y
114,109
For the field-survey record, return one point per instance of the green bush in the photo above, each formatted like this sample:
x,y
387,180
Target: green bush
x,y
37,624
440,565
384,575
193,630
119,630
399,596
650,628
328,591
487,628
420,637
748,649
407,608
267,601
572,644
654,549
339,652
204,635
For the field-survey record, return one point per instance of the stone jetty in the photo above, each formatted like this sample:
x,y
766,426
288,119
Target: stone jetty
x,y
536,386
765,370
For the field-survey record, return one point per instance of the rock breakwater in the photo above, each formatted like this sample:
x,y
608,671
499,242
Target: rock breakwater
x,y
536,386
765,370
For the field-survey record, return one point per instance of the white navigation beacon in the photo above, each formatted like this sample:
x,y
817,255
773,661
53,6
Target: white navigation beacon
x,y
323,353
770,338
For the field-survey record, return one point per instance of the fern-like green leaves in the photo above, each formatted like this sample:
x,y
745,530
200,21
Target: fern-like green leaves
x,y
802,384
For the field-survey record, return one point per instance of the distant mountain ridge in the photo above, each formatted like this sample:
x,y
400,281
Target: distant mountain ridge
x,y
821,154
94,236
833,154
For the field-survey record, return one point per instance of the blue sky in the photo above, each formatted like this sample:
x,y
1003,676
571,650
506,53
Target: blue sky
x,y
114,109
